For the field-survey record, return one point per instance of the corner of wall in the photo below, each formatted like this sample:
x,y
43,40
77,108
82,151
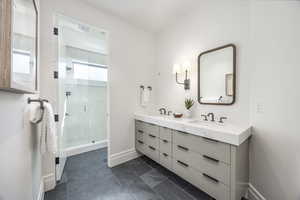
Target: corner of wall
x,y
124,156
254,194
49,182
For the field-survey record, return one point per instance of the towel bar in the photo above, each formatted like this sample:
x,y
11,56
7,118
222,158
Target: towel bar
x,y
41,101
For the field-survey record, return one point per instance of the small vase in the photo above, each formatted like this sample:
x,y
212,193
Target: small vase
x,y
188,113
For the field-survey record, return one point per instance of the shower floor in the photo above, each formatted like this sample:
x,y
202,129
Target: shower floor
x,y
87,177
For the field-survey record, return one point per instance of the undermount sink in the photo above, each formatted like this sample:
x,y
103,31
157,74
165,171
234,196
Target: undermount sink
x,y
200,122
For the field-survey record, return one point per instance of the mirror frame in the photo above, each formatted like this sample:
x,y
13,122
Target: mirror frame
x,y
234,73
6,38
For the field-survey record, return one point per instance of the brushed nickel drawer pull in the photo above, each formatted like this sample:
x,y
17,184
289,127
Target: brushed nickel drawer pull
x,y
182,163
165,141
166,155
210,140
211,178
183,148
153,136
152,148
210,158
140,131
141,142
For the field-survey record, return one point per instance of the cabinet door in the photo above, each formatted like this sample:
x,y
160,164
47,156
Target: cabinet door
x,y
18,45
24,45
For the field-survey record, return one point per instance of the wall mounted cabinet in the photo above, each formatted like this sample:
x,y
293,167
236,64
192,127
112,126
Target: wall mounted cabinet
x,y
18,46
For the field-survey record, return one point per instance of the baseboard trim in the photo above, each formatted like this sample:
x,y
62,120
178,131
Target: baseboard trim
x,y
49,182
41,191
124,156
254,194
85,148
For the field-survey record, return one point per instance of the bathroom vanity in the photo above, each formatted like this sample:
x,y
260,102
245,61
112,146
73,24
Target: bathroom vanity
x,y
212,157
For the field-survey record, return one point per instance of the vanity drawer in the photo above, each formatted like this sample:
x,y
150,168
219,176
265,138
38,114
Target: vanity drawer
x,y
212,148
205,182
140,126
217,190
152,129
165,146
166,160
140,146
216,169
182,169
152,140
139,134
165,134
152,152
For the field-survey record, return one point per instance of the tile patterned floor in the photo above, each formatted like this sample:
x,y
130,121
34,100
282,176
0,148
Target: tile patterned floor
x,y
87,177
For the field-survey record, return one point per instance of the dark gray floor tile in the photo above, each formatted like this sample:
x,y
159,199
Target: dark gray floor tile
x,y
153,178
177,180
96,189
196,193
125,175
169,191
141,191
150,162
60,193
87,177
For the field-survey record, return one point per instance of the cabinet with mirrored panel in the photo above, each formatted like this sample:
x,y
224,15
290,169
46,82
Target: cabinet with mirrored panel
x,y
18,43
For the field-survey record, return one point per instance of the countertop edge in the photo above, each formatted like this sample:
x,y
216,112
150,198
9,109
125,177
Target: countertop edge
x,y
235,140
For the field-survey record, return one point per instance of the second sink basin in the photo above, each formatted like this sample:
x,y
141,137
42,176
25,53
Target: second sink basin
x,y
200,122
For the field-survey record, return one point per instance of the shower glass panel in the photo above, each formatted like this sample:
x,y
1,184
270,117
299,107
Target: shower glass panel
x,y
82,84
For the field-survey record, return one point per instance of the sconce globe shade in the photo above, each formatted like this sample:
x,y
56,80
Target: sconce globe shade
x,y
186,66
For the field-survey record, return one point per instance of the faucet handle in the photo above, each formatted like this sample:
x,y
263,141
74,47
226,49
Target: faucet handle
x,y
221,119
205,117
160,111
170,112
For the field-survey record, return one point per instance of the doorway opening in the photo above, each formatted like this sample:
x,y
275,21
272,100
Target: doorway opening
x,y
82,98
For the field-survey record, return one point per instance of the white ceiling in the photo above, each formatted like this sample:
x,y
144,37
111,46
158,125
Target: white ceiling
x,y
151,15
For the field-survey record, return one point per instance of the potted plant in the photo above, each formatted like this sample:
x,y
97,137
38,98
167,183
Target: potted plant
x,y
188,105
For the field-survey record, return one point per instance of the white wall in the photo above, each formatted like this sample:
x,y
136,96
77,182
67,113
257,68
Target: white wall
x,y
20,159
267,37
20,168
131,60
275,145
209,25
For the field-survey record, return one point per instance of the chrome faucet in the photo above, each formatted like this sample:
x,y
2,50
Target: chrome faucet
x,y
170,112
212,115
163,111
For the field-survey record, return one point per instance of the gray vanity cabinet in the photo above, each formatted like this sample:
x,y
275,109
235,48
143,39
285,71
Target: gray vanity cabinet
x,y
217,168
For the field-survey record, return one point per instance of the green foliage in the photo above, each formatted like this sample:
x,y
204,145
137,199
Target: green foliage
x,y
189,103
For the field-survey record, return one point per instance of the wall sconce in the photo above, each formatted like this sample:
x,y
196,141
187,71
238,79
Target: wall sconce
x,y
178,69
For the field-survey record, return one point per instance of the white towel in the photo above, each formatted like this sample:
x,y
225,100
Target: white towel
x,y
145,97
34,113
48,142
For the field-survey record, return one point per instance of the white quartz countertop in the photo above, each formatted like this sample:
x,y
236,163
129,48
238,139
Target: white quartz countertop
x,y
226,133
